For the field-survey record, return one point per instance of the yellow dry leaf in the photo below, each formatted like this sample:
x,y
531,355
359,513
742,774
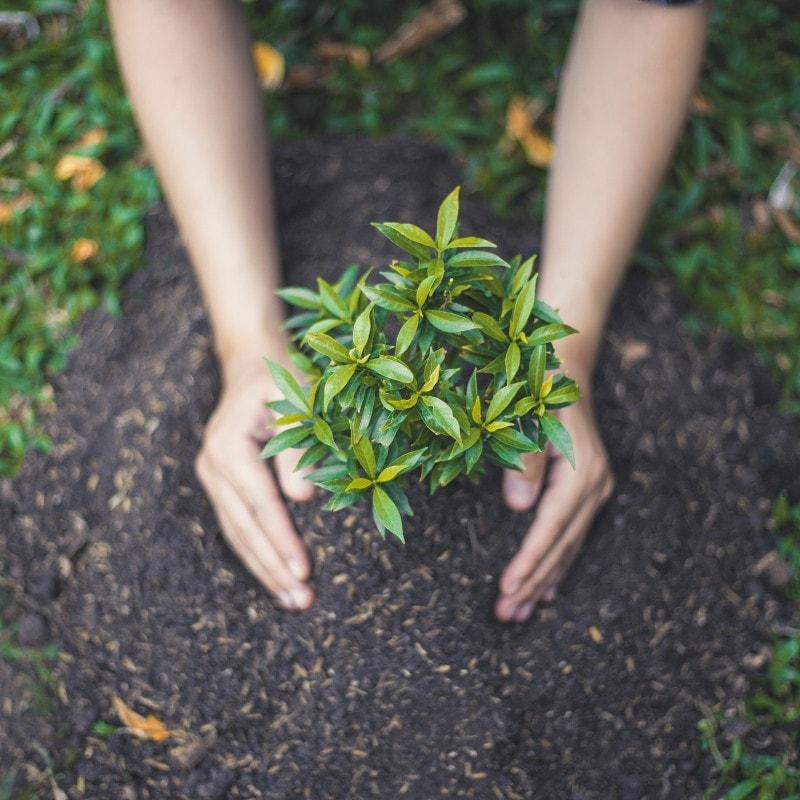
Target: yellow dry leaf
x,y
356,54
149,727
6,210
85,171
270,65
701,105
83,250
92,137
519,126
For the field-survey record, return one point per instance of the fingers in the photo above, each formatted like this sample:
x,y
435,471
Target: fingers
x,y
521,489
568,504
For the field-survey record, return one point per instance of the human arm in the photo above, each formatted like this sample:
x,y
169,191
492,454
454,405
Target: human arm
x,y
189,73
623,99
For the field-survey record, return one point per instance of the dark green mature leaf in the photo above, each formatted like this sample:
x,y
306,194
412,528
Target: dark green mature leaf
x,y
411,232
386,512
406,335
389,298
447,219
512,361
438,416
501,400
362,328
449,322
558,436
563,395
331,301
476,258
300,296
470,241
536,367
288,386
336,381
490,327
523,306
302,436
315,453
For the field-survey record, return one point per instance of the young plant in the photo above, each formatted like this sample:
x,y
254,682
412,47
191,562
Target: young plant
x,y
445,366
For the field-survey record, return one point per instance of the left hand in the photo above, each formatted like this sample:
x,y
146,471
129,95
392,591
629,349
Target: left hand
x,y
569,500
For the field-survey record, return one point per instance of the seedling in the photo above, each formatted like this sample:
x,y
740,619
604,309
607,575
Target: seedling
x,y
446,366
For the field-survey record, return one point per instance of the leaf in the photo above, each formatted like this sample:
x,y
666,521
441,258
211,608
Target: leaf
x,y
536,369
563,395
448,322
558,436
523,306
331,301
358,485
365,454
294,437
149,727
405,336
512,361
490,327
469,241
385,511
324,433
476,258
362,328
549,333
401,465
288,386
338,378
403,242
300,296
501,400
391,368
446,219
329,347
412,232
270,65
389,298
438,416
311,456
520,126
426,288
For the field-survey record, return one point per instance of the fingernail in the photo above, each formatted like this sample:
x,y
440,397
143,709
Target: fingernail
x,y
285,599
524,612
296,568
519,493
512,588
549,595
299,598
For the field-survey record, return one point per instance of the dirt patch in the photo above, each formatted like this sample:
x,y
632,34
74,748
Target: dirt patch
x,y
399,682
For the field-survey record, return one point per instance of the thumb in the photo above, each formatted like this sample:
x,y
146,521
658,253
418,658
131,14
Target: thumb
x,y
521,489
293,482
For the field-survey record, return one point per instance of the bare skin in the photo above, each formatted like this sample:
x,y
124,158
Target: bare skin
x,y
187,67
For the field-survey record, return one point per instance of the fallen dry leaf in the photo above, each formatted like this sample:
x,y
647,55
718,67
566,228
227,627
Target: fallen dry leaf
x,y
356,54
91,138
149,727
83,250
520,126
701,105
85,171
270,65
432,21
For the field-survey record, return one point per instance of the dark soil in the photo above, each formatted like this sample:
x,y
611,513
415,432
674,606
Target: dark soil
x,y
399,682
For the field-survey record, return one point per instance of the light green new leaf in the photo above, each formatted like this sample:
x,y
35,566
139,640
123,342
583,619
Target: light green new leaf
x,y
501,400
523,306
490,327
401,465
469,241
385,511
401,240
329,347
392,368
447,219
512,360
522,276
288,386
294,437
324,433
300,296
557,434
331,301
362,328
426,288
411,232
449,322
389,298
549,333
476,258
406,335
338,378
365,454
358,485
564,395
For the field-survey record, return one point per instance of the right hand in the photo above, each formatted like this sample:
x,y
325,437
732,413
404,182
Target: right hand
x,y
243,490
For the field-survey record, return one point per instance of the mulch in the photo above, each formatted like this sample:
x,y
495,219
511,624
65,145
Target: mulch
x,y
399,682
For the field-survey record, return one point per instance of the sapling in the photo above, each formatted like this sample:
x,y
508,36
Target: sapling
x,y
446,366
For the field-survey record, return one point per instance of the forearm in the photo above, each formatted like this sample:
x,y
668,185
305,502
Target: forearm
x,y
627,84
189,73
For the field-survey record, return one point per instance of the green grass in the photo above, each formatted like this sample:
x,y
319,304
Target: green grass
x,y
708,230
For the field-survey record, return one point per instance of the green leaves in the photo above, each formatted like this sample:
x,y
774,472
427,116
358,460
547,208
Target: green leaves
x,y
389,400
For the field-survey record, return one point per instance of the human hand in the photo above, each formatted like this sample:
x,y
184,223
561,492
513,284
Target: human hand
x,y
243,491
569,500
